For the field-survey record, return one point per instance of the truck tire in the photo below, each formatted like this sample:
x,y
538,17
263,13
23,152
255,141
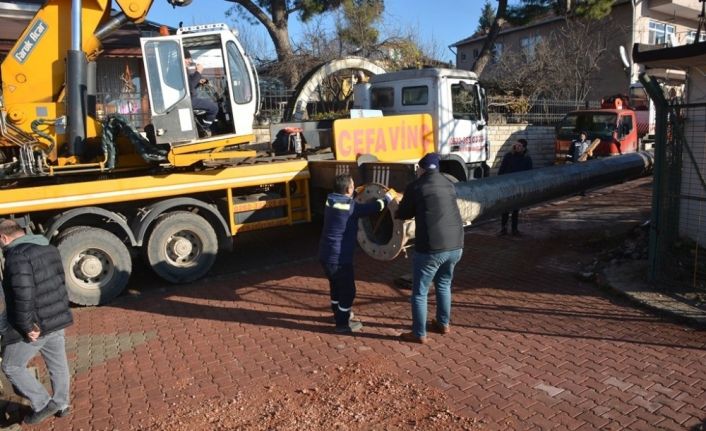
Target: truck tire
x,y
97,265
182,247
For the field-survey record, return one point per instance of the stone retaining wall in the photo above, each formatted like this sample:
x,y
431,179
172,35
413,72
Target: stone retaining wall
x,y
540,143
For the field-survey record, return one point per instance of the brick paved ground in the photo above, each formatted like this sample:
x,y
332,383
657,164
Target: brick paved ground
x,y
532,346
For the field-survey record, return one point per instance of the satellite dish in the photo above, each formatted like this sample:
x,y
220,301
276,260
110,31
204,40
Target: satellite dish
x,y
624,57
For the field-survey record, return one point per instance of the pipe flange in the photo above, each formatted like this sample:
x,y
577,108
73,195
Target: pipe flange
x,y
381,235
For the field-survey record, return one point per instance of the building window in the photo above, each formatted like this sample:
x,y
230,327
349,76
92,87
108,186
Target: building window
x,y
463,56
475,53
691,36
529,45
497,51
660,32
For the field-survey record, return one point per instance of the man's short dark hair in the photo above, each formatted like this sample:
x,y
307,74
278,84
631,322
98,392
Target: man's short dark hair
x,y
523,141
9,227
340,184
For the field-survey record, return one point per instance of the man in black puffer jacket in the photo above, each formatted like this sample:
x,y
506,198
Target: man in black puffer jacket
x,y
431,201
37,313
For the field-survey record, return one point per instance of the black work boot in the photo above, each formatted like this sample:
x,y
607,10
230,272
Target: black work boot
x,y
344,324
352,326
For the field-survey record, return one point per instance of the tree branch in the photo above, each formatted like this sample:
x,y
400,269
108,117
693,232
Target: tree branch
x,y
485,52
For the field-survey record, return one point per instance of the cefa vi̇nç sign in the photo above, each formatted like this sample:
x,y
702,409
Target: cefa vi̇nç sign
x,y
390,139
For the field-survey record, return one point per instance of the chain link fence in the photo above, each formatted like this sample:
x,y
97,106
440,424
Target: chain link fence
x,y
679,236
540,112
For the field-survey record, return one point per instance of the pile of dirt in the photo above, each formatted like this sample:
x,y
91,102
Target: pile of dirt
x,y
353,396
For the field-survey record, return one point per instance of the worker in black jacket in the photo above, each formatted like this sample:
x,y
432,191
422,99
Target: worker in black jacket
x,y
517,160
37,313
431,201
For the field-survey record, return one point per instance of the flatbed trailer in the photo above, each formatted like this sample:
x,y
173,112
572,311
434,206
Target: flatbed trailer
x,y
176,220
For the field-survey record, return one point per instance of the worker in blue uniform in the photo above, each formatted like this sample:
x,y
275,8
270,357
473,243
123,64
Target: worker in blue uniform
x,y
338,239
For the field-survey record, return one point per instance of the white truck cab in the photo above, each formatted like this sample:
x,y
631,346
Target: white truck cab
x,y
456,103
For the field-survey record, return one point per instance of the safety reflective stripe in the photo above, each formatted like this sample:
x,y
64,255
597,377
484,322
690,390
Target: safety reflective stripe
x,y
339,206
334,302
344,309
381,202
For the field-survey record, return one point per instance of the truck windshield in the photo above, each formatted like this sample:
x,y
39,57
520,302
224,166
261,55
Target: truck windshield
x,y
597,124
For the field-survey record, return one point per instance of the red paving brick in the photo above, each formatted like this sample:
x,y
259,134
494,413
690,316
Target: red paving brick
x,y
532,347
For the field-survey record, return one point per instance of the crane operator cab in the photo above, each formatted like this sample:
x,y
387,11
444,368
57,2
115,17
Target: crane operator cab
x,y
202,85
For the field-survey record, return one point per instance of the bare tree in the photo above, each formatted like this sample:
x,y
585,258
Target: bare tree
x,y
517,73
528,10
274,16
487,49
256,43
318,41
582,45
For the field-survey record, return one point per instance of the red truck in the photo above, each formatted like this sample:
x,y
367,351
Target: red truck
x,y
619,127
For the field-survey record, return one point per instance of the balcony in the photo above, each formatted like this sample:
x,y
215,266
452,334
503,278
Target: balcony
x,y
684,9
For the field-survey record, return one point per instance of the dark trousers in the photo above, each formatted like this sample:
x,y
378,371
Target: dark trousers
x,y
515,215
342,287
207,105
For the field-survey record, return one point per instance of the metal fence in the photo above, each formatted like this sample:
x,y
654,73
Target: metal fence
x,y
273,103
544,112
678,231
501,110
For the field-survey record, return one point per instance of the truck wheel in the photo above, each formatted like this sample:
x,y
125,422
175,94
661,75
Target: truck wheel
x,y
97,265
182,247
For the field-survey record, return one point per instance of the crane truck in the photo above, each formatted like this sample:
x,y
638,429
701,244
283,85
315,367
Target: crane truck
x,y
105,193
623,124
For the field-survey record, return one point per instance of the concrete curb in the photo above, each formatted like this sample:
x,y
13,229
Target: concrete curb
x,y
628,280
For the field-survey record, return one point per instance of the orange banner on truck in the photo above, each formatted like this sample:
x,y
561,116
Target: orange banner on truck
x,y
390,139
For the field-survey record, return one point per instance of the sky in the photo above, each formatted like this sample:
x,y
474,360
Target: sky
x,y
438,23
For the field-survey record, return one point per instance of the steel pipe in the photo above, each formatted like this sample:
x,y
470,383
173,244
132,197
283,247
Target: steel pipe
x,y
383,237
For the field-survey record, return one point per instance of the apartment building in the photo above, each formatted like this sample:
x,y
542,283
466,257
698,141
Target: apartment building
x,y
659,23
